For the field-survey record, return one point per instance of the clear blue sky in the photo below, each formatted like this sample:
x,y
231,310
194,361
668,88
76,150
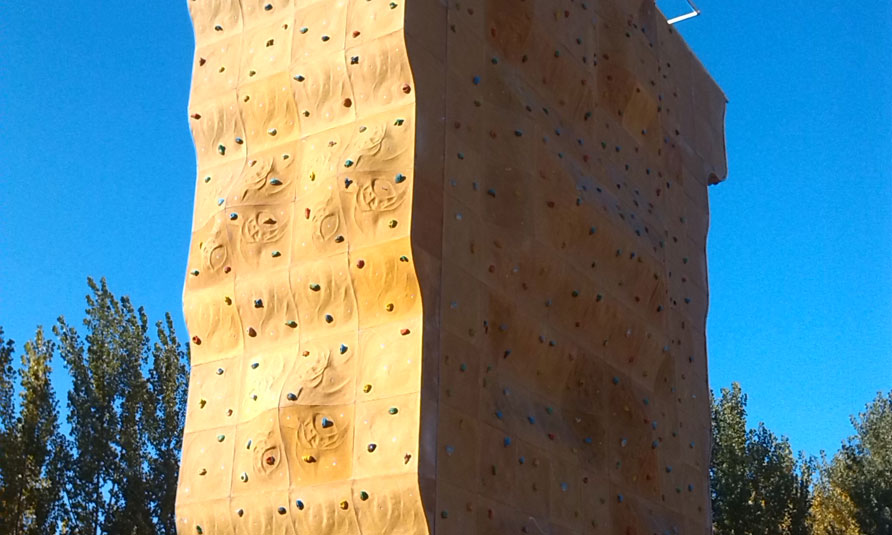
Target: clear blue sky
x,y
97,178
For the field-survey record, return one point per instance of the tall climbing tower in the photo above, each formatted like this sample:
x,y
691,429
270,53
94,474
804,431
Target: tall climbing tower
x,y
447,271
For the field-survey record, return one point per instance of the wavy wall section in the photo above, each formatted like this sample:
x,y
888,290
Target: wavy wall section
x,y
302,299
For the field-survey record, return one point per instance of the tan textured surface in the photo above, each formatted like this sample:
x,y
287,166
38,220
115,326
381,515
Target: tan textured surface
x,y
466,296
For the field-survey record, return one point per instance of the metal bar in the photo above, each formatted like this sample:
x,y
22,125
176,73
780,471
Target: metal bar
x,y
695,11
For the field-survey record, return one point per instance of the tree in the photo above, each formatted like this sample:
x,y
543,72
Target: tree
x,y
125,426
757,486
862,470
7,430
131,510
36,447
116,472
168,382
107,481
833,512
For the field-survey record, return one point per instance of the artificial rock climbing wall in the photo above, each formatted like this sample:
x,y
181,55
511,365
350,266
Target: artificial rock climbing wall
x,y
447,271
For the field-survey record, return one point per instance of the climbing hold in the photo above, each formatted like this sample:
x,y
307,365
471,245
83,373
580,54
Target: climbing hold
x,y
258,303
393,410
299,504
329,318
282,510
399,178
363,495
326,423
343,505
291,396
315,287
404,332
372,447
367,388
343,349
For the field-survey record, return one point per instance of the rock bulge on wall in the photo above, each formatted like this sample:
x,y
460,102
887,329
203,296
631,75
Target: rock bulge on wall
x,y
447,271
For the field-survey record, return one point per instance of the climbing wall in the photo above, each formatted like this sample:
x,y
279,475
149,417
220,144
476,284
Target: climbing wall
x,y
447,271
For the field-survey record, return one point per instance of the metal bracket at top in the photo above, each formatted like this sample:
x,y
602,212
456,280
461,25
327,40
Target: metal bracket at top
x,y
695,11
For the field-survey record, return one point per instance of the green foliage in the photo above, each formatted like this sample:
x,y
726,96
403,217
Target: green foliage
x,y
168,382
33,448
8,442
757,486
124,454
862,470
832,512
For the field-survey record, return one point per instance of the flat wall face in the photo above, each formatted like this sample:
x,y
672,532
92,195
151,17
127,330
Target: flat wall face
x,y
448,270
579,139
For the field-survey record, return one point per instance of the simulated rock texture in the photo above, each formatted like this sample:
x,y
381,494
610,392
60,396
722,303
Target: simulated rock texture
x,y
447,271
